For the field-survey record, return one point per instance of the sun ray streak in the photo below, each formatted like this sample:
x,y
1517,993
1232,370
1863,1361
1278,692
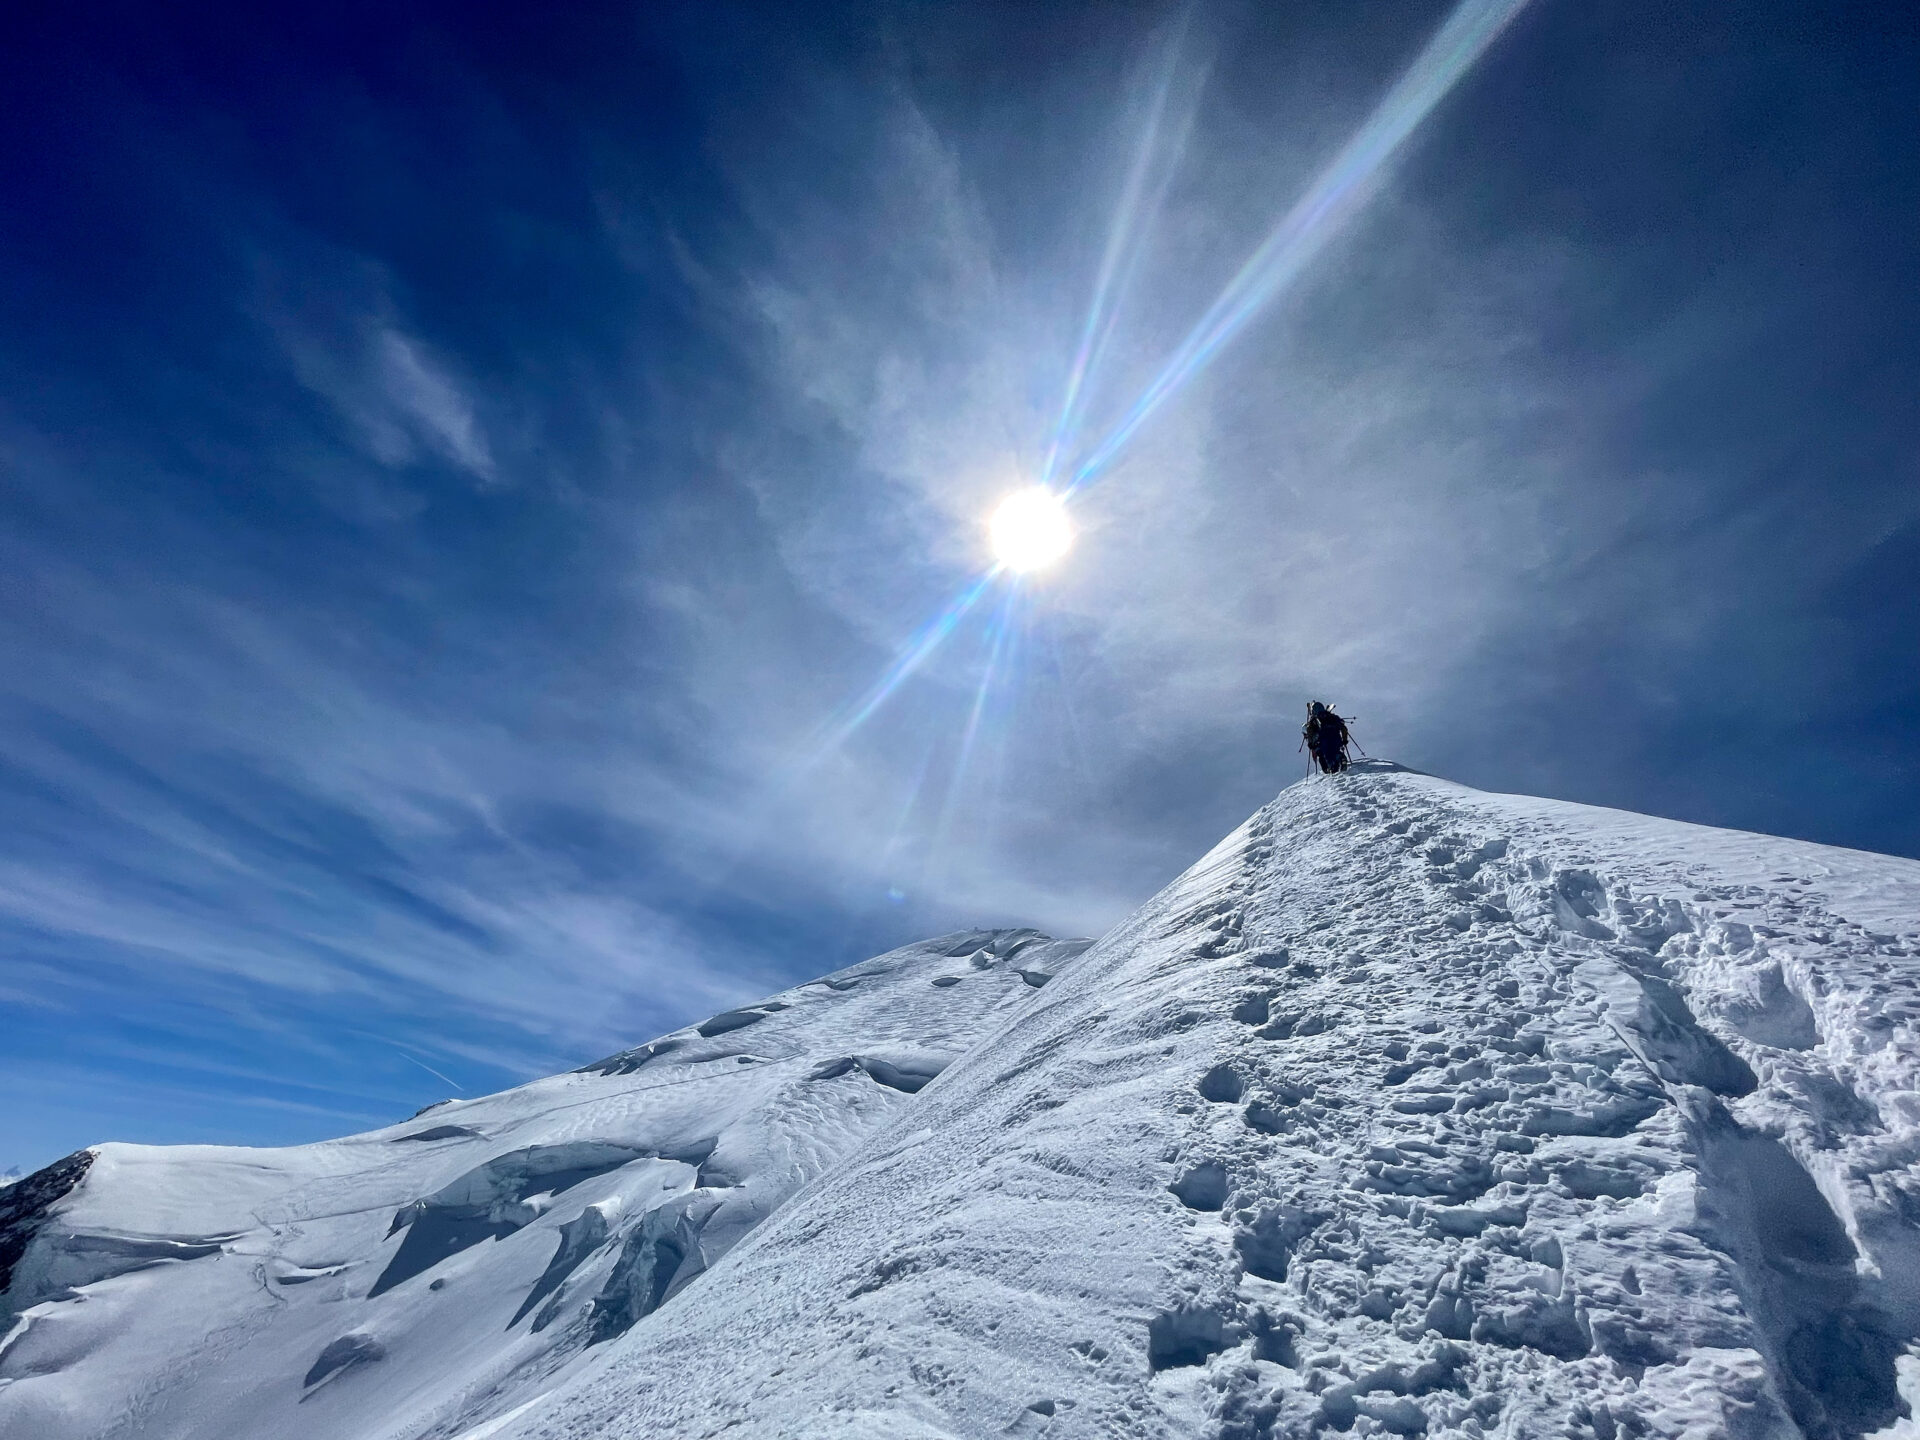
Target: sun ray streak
x,y
1117,261
1014,615
1065,692
971,733
1334,197
897,837
916,652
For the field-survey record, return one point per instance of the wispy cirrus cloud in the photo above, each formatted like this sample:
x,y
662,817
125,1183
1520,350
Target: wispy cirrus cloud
x,y
438,543
400,401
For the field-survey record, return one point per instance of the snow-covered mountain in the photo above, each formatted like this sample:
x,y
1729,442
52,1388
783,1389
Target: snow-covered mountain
x,y
406,1281
1407,1110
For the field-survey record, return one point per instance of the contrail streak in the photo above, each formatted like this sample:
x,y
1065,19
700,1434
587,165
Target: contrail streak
x,y
1339,192
428,1068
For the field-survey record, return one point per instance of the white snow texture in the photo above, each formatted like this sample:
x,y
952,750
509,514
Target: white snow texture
x,y
1408,1110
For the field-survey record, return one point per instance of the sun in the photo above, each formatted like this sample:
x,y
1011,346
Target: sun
x,y
1030,529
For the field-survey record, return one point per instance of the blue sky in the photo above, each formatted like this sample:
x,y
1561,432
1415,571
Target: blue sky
x,y
460,465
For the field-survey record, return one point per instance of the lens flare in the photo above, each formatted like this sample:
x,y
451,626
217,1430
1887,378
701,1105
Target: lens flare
x,y
1339,192
1030,530
1148,179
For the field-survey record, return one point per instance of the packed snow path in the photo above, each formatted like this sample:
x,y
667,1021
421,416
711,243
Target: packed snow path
x,y
1407,1110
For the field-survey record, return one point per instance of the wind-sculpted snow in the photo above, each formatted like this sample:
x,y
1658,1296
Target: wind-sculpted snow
x,y
1409,1110
415,1281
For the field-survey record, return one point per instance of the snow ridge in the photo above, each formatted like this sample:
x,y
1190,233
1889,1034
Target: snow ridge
x,y
1408,1110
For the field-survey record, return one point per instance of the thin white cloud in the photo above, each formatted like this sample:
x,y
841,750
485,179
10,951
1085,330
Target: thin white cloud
x,y
402,401
430,403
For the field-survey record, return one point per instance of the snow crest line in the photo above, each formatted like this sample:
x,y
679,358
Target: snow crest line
x,y
1407,1110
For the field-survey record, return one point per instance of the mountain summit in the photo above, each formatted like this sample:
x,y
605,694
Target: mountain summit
x,y
1407,1110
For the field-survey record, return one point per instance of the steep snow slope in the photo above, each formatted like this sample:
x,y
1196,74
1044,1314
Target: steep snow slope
x,y
1408,1109
407,1282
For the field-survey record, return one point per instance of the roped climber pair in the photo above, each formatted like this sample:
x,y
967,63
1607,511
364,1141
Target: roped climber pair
x,y
1326,738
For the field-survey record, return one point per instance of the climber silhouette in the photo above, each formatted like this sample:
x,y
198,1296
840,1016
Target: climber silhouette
x,y
1326,737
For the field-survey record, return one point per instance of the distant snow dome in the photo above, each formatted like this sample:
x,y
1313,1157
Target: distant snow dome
x,y
1030,530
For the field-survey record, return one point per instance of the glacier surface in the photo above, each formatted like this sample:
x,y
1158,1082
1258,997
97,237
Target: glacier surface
x,y
1407,1110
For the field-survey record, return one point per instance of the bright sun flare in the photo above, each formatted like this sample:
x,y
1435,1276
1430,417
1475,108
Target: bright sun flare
x,y
1030,529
